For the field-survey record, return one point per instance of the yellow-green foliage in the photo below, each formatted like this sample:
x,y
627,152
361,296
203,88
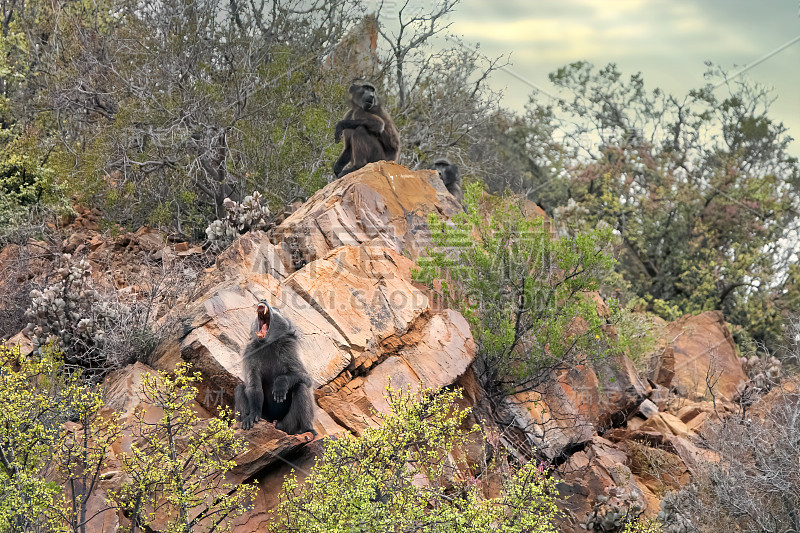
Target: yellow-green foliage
x,y
82,452
177,465
54,432
642,525
521,290
401,477
36,446
31,415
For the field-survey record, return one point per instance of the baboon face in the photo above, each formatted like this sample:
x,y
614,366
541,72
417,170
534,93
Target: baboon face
x,y
263,318
270,325
364,96
447,171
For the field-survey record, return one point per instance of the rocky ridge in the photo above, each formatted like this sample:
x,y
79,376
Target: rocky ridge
x,y
340,268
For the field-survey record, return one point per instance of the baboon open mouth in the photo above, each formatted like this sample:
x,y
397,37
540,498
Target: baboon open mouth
x,y
263,321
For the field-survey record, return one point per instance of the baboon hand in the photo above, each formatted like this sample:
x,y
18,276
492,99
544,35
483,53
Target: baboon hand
x,y
337,135
279,390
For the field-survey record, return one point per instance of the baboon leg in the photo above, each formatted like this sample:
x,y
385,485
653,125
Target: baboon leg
x,y
300,418
340,163
240,402
348,170
249,401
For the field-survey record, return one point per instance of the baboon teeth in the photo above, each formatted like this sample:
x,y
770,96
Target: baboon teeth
x,y
263,321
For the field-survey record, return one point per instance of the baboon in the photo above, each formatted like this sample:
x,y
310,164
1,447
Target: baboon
x,y
276,385
369,132
452,180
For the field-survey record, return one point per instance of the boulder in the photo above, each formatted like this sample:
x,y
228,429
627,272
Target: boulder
x,y
434,353
658,469
270,483
692,456
648,409
597,483
606,393
21,342
383,204
266,446
365,293
664,367
621,390
359,316
705,357
666,424
252,253
553,424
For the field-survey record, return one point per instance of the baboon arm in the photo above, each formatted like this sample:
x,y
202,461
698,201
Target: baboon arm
x,y
286,382
297,377
249,402
390,140
340,163
255,393
373,123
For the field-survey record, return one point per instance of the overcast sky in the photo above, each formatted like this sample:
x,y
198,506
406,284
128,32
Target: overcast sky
x,y
667,40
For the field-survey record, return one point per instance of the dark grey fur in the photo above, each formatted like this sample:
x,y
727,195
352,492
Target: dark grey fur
x,y
276,385
451,178
369,132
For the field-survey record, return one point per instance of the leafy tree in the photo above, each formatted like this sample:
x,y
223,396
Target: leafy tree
x,y
52,435
520,154
406,37
29,191
31,417
400,477
177,465
701,190
168,108
81,452
449,112
525,294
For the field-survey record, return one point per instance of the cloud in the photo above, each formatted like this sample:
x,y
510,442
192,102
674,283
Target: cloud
x,y
667,40
612,29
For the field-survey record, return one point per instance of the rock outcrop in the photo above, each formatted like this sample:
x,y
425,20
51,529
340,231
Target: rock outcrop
x,y
705,359
339,268
384,204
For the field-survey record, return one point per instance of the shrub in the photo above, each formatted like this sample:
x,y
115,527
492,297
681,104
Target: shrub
x,y
526,294
37,446
240,218
642,525
31,414
750,482
401,477
177,465
70,315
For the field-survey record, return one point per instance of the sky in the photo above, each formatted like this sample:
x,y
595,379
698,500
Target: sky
x,y
668,41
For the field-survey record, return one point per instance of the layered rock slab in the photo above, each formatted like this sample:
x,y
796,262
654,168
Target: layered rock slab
x,y
705,358
383,204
